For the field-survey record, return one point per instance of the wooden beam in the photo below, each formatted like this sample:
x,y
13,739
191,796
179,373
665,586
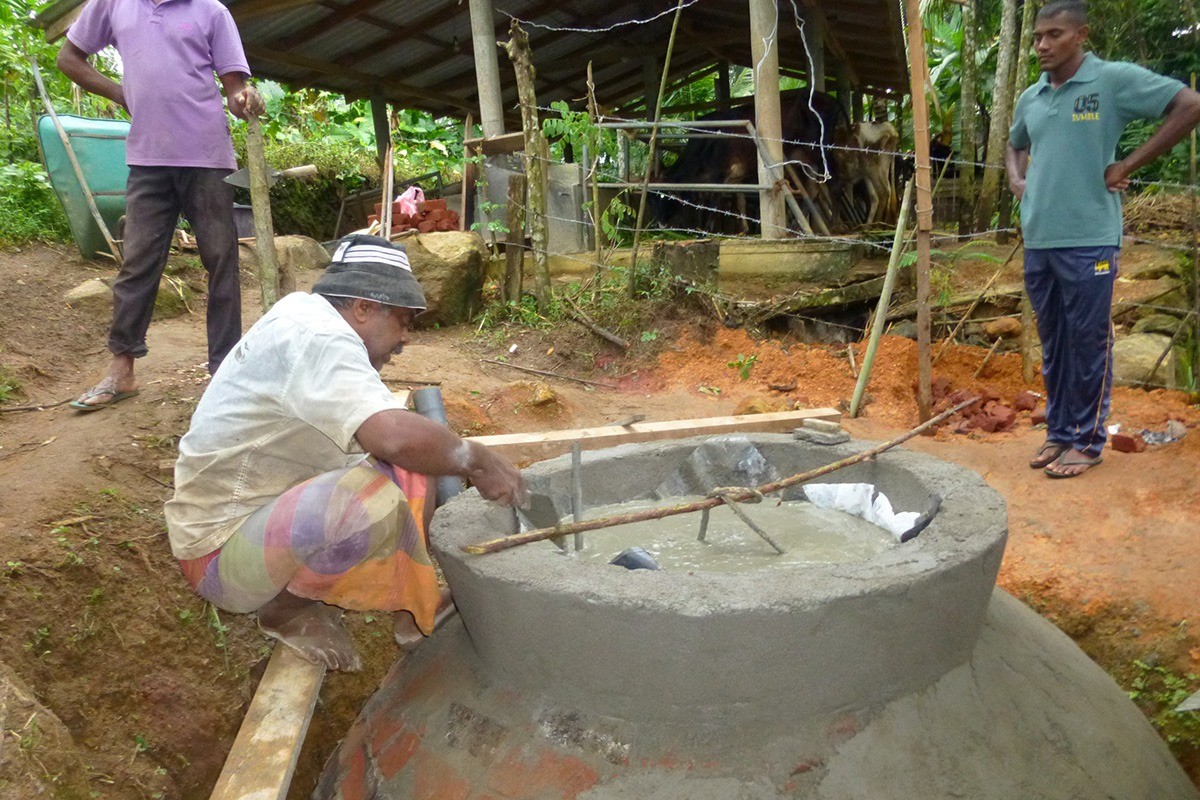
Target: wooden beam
x,y
264,754
339,15
497,145
253,9
55,30
398,88
525,447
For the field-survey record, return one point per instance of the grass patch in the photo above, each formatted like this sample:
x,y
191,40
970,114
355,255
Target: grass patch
x,y
9,385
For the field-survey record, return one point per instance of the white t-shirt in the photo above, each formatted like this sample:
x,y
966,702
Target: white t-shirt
x,y
283,407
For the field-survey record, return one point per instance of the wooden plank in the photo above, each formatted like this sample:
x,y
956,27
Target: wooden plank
x,y
526,447
59,27
264,754
500,145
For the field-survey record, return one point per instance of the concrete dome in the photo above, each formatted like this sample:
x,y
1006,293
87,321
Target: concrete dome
x,y
906,675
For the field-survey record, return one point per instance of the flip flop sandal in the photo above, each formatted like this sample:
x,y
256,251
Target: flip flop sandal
x,y
1048,454
1085,463
113,397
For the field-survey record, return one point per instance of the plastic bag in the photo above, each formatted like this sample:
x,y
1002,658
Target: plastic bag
x,y
408,201
860,500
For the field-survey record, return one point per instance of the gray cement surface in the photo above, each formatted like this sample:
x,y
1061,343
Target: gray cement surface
x,y
770,648
1027,717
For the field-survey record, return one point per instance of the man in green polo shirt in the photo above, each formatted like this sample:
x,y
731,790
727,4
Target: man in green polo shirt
x,y
1060,163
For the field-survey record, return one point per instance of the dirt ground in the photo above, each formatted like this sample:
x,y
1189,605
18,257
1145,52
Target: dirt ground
x,y
117,682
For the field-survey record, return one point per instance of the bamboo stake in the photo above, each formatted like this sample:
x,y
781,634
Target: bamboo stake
x,y
919,77
537,155
662,90
514,243
1027,334
260,201
988,357
515,540
885,297
594,167
975,304
83,184
546,373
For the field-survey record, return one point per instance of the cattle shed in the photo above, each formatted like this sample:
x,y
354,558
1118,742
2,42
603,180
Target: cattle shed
x,y
426,54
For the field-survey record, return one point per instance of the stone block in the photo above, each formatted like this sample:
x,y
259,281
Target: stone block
x,y
450,266
93,295
1134,357
806,434
1127,442
1003,328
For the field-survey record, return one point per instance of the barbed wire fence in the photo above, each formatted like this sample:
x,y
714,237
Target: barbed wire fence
x,y
853,236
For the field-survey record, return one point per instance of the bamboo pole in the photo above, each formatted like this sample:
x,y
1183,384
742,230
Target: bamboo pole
x,y
650,158
260,202
919,77
83,184
885,298
537,154
594,167
514,243
515,540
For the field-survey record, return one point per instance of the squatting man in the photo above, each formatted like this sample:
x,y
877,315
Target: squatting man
x,y
303,486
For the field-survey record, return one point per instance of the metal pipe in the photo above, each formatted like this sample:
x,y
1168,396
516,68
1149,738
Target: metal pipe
x,y
428,403
577,490
686,187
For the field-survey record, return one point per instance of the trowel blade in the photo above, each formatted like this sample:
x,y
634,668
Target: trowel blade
x,y
540,513
241,178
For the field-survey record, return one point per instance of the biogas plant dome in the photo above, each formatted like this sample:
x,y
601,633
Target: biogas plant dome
x,y
894,670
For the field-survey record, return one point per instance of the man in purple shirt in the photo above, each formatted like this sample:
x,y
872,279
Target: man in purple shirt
x,y
179,153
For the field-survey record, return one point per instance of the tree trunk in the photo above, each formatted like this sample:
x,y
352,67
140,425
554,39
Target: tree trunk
x,y
989,190
967,112
537,155
1020,80
514,246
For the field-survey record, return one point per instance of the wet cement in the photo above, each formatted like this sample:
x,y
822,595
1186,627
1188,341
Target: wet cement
x,y
808,534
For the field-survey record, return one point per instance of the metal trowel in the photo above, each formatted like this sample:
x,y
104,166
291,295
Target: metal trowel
x,y
540,513
241,178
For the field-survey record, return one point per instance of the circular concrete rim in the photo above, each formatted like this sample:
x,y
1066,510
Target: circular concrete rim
x,y
971,523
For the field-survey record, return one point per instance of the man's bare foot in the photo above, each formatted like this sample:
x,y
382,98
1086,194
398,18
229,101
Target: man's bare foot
x,y
408,635
116,385
312,629
1072,464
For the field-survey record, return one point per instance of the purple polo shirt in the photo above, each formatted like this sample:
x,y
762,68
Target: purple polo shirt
x,y
170,53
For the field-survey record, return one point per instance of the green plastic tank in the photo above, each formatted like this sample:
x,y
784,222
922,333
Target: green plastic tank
x,y
99,145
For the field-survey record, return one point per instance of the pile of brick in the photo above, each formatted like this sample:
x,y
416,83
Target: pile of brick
x,y
989,414
432,215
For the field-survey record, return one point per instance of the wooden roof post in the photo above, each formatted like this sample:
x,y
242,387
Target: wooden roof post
x,y
919,76
721,85
764,49
814,37
487,68
383,132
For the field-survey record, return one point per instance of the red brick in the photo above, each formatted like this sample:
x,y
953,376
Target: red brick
x,y
1128,442
430,205
550,775
940,387
986,423
1004,416
434,779
1025,401
426,226
1038,417
446,225
396,754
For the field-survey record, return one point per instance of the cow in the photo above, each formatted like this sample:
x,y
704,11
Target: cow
x,y
808,121
865,160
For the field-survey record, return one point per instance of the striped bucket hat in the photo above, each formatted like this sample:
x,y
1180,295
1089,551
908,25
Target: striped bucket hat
x,y
372,268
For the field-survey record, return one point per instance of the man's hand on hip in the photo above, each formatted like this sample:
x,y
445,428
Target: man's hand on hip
x,y
1017,187
1116,176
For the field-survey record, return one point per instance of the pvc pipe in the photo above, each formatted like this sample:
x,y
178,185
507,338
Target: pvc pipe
x,y
428,403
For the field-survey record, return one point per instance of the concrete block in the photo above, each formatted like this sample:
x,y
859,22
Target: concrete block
x,y
820,437
93,295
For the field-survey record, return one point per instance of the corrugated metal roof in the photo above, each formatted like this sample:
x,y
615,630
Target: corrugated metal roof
x,y
418,53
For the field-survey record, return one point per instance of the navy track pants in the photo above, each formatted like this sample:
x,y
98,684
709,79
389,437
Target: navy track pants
x,y
1071,291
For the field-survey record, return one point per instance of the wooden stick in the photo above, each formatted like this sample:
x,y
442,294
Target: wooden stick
x,y
919,79
583,319
988,357
514,242
546,373
83,184
650,158
260,202
850,356
885,298
515,540
979,299
1027,333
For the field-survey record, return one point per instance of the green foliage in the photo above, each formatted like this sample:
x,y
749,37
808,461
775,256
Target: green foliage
x,y
743,364
29,210
1158,690
9,385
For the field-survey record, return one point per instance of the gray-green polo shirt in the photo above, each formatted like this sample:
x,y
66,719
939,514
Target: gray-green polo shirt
x,y
1071,133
